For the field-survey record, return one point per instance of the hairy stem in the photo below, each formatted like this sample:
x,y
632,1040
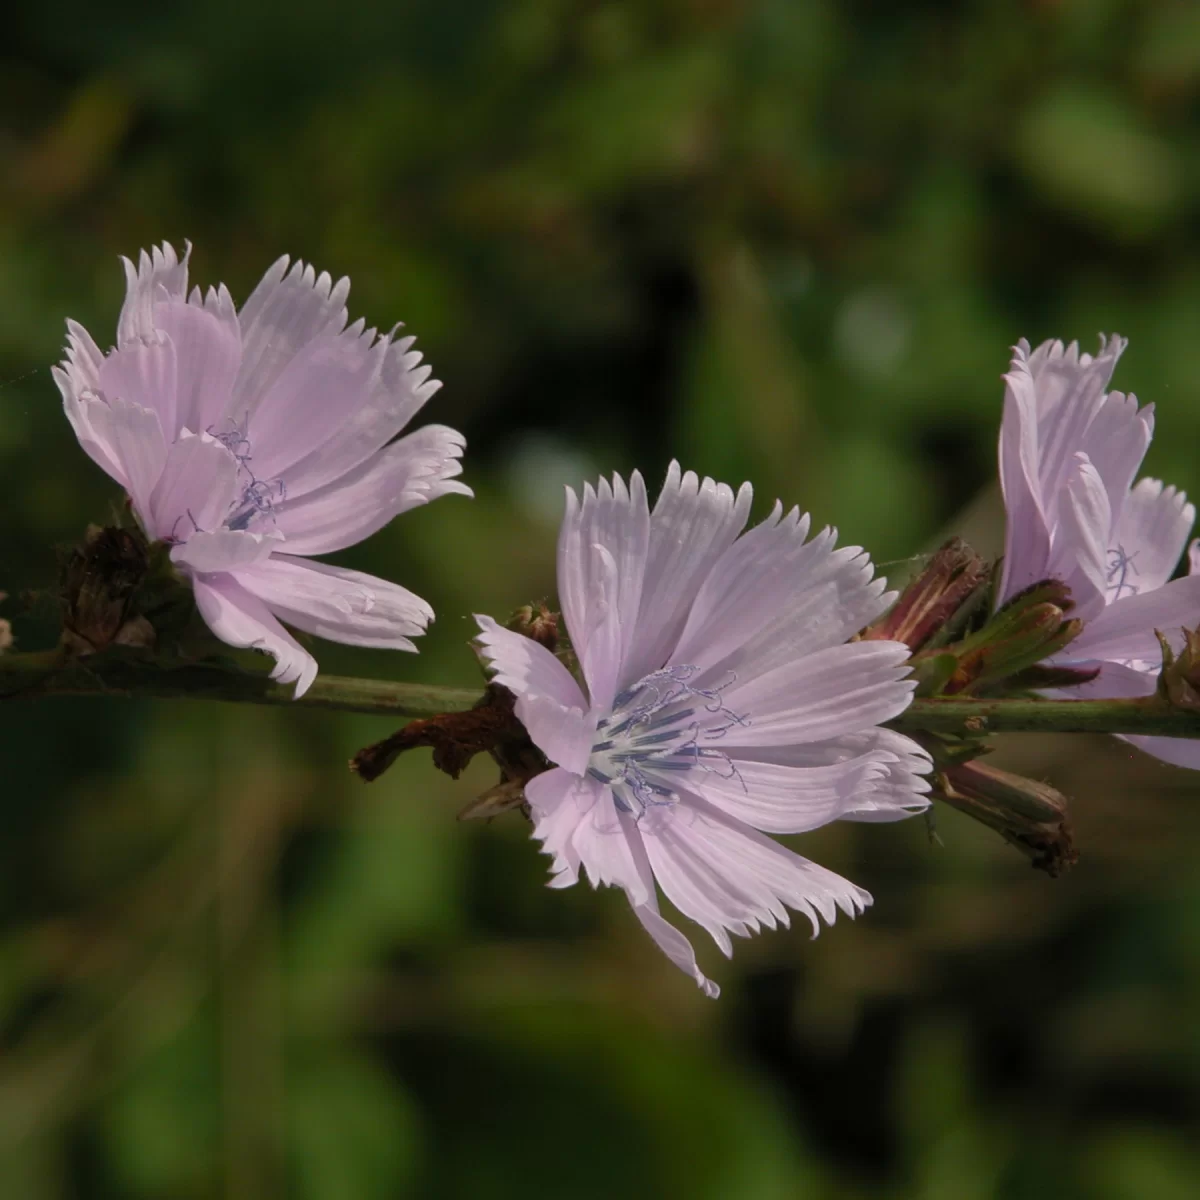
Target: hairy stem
x,y
126,674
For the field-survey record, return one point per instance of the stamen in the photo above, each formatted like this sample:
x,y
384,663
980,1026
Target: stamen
x,y
258,495
1119,570
652,730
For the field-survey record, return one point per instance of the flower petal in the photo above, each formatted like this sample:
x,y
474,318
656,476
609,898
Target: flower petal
x,y
773,597
223,550
198,485
731,879
1027,536
1116,442
694,521
1151,534
1079,556
674,945
144,373
550,703
1179,752
1124,631
240,619
1070,394
338,604
836,691
602,549
783,799
899,791
410,472
284,312
326,383
577,822
159,275
132,440
397,392
207,344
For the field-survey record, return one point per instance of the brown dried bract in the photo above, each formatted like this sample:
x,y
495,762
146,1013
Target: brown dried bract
x,y
491,727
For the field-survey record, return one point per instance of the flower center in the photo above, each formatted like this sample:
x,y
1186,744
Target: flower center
x,y
659,727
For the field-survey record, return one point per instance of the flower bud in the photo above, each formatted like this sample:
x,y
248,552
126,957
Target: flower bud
x,y
953,577
1179,681
6,637
538,622
99,581
1033,626
1032,816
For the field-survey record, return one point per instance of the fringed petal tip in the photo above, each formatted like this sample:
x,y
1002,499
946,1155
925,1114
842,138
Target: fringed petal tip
x,y
300,669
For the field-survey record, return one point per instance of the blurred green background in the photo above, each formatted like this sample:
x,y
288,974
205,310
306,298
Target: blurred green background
x,y
784,240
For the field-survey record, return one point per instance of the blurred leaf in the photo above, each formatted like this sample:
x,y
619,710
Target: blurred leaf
x,y
353,1134
1088,150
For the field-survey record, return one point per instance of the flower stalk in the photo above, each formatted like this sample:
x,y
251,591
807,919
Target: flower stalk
x,y
128,673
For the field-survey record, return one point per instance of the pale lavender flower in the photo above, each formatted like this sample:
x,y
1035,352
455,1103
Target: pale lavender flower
x,y
1069,452
722,702
250,440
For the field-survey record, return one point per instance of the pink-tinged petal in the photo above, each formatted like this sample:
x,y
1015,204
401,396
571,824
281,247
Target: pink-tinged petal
x,y
1070,394
898,792
821,602
1027,536
334,603
1179,752
675,946
1150,536
240,619
693,523
729,878
84,360
1117,441
1194,557
772,597
410,472
284,312
398,391
326,383
223,550
1124,631
550,703
144,373
1079,556
668,939
75,408
747,581
836,691
556,811
577,823
132,439
207,344
197,489
602,549
159,275
781,799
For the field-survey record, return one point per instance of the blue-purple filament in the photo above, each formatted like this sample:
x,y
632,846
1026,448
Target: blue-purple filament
x,y
649,732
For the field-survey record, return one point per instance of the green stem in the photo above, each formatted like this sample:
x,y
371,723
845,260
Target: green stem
x,y
122,674
1146,715
126,674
